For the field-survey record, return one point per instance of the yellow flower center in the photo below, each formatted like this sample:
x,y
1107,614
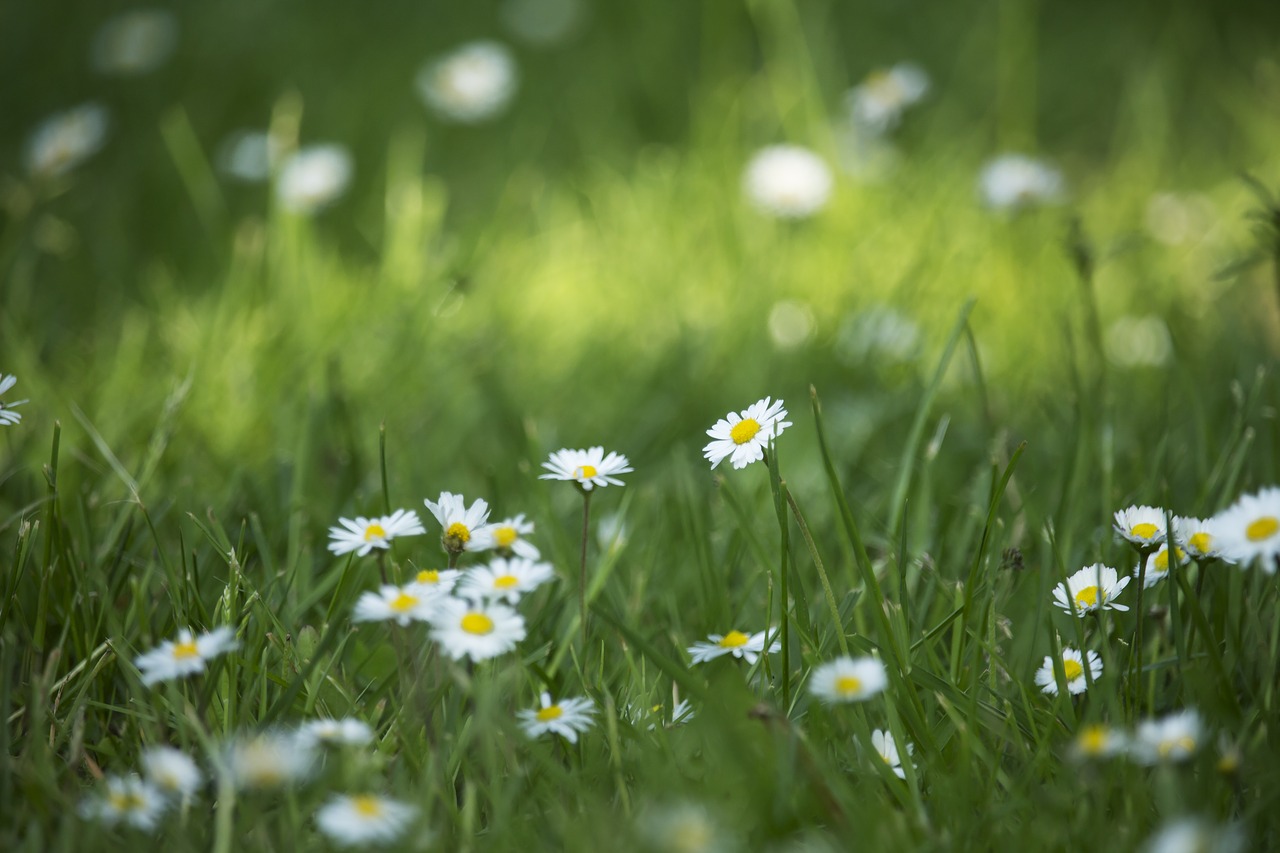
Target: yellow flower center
x,y
505,537
744,430
1071,669
374,531
585,472
1186,743
458,531
1263,528
549,713
1093,740
848,684
505,582
1145,530
185,651
429,576
367,806
477,623
1201,542
404,602
1087,597
125,801
733,640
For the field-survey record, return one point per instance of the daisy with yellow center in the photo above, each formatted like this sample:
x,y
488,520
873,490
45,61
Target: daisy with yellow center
x,y
128,800
1073,664
1174,737
878,102
505,580
887,751
403,604
507,538
8,417
740,645
589,468
184,656
1200,538
441,580
1098,740
271,759
848,680
744,436
65,140
472,84
345,732
478,630
566,718
1144,526
1250,529
172,771
362,535
1092,588
787,182
1158,565
364,819
459,523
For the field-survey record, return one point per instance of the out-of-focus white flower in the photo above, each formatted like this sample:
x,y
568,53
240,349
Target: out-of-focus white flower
x,y
1192,835
185,656
505,580
611,531
543,23
128,800
476,629
1199,536
1174,737
1158,565
249,155
134,42
172,771
848,680
364,819
683,828
1138,341
1250,529
878,102
1013,181
747,647
8,416
790,323
1175,219
403,604
787,181
345,732
267,760
507,538
313,177
65,140
1099,740
471,84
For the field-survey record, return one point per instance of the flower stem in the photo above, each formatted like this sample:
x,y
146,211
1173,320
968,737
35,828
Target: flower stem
x,y
582,568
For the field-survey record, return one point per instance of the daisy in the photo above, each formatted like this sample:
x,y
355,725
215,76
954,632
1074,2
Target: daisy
x,y
1144,526
1072,669
878,102
505,580
65,140
345,732
883,743
683,828
364,819
8,416
745,436
267,760
172,771
1013,181
566,718
1158,565
1192,835
470,85
787,181
1200,537
587,468
442,580
1091,588
364,534
128,800
134,42
185,656
250,155
459,523
848,680
1250,528
313,177
476,629
1099,740
1174,737
506,537
735,643
401,603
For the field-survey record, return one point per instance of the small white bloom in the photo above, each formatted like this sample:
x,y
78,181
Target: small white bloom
x,y
878,102
404,604
1072,669
611,531
267,760
345,732
134,42
364,534
887,749
364,819
1199,536
1014,181
1139,341
187,655
470,85
249,155
476,629
566,718
313,177
746,436
787,181
507,538
1092,588
65,140
848,680
1144,526
443,580
505,580
460,523
588,468
8,416
740,645
1158,565
1099,740
128,800
1174,737
683,828
172,771
1192,835
1250,529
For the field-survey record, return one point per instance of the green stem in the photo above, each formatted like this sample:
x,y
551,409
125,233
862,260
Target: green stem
x,y
582,568
775,483
822,571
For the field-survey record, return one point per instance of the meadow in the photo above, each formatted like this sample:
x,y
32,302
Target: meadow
x,y
282,285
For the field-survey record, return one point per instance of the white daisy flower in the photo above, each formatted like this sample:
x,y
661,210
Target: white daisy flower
x,y
1200,537
364,534
683,828
187,655
507,538
134,42
1174,737
848,680
1192,835
745,436
172,771
313,177
460,524
878,102
1099,740
566,718
345,732
736,643
250,155
1158,565
505,580
8,416
883,743
1072,669
1144,526
787,181
587,468
476,629
268,760
128,800
1092,588
65,140
470,85
362,819
1250,528
404,604
1013,181
443,580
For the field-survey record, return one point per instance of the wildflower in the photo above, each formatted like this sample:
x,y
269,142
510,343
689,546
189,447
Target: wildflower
x,y
1250,528
1091,588
134,42
345,732
883,743
1098,740
8,416
787,181
172,771
507,538
848,680
1158,565
267,760
364,819
459,523
401,603
313,177
878,102
470,85
442,580
745,436
128,800
1144,526
476,629
682,713
365,534
587,468
505,580
1174,737
1192,835
682,828
611,532
249,155
736,643
566,718
1200,538
1013,181
1073,671
65,140
1142,341
185,656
